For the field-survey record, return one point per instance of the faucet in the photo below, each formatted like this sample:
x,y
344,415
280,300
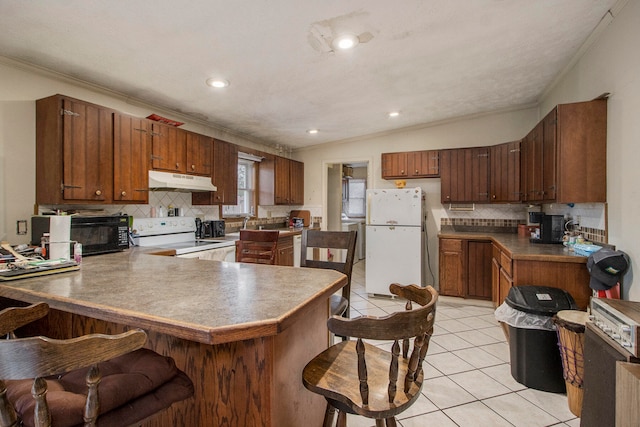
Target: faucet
x,y
244,222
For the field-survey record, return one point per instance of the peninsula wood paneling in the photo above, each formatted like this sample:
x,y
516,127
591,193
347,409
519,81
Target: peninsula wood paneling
x,y
254,382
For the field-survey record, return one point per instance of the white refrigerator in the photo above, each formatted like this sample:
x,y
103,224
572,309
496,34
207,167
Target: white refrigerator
x,y
395,238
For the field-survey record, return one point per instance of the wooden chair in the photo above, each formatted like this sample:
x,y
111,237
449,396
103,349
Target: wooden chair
x,y
359,378
257,246
135,383
317,239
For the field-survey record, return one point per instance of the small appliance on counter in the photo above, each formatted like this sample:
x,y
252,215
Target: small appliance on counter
x,y
551,228
209,228
97,234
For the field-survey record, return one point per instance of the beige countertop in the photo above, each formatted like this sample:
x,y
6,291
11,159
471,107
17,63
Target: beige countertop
x,y
207,301
519,247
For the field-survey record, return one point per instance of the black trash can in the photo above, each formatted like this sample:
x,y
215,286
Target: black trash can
x,y
535,357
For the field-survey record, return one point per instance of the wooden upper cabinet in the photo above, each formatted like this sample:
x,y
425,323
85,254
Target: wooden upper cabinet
x,y
281,181
479,182
423,164
564,156
411,164
464,175
532,165
394,165
296,178
224,176
74,151
581,146
168,148
505,172
199,154
131,154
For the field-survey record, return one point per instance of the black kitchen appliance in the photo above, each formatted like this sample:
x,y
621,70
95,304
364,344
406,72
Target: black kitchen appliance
x,y
98,234
551,229
210,228
217,228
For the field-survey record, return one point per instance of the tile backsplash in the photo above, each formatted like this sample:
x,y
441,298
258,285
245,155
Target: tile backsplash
x,y
505,219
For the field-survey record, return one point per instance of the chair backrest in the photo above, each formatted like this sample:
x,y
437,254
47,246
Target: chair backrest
x,y
257,246
400,326
317,239
38,357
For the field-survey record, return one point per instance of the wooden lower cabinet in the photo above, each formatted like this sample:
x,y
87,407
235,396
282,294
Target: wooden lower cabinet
x,y
284,254
465,268
451,267
572,277
501,271
478,271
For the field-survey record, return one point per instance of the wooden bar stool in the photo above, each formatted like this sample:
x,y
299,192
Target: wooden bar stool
x,y
49,382
257,246
359,378
317,239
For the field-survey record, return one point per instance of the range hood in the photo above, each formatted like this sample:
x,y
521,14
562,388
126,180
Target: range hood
x,y
168,181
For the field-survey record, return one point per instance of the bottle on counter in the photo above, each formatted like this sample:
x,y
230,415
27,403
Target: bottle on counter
x,y
160,212
77,252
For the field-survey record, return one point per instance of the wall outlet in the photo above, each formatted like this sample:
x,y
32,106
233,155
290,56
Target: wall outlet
x,y
21,227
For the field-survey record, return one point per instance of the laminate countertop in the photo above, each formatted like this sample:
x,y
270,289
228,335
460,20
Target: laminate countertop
x,y
519,247
210,302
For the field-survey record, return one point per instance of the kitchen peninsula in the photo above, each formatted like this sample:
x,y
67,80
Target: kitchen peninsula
x,y
241,332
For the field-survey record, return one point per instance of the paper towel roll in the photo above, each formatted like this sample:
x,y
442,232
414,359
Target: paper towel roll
x,y
59,237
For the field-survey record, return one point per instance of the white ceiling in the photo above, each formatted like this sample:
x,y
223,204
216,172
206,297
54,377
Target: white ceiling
x,y
430,59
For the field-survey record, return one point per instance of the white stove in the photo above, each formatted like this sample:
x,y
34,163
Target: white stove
x,y
177,233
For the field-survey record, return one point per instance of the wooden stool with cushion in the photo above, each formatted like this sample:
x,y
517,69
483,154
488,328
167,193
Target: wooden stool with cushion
x,y
134,383
359,378
257,246
318,239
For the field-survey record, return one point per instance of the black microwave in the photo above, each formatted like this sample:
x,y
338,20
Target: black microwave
x,y
98,234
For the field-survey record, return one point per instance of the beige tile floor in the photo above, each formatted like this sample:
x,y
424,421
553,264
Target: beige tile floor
x,y
468,379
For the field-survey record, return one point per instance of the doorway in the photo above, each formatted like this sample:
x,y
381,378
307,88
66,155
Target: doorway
x,y
346,199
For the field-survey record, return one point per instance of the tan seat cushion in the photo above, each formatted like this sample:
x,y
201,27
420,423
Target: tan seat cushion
x,y
133,387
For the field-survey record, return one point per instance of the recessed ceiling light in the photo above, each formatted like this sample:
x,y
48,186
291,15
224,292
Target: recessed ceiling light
x,y
394,114
345,41
218,83
312,131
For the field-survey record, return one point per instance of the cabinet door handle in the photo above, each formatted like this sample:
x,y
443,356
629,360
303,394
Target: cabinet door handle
x,y
140,130
177,165
123,194
98,193
65,186
193,167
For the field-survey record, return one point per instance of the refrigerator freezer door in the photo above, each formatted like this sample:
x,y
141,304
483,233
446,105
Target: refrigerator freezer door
x,y
394,255
395,207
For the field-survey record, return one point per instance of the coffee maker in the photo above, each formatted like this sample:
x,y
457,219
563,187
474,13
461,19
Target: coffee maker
x,y
551,227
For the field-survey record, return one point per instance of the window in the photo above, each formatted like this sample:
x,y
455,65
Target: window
x,y
246,190
355,202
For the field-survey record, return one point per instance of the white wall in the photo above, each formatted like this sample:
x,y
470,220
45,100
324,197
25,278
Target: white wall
x,y
477,131
612,64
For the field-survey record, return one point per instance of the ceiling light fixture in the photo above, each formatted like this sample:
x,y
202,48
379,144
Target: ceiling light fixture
x,y
394,114
345,41
217,83
312,131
